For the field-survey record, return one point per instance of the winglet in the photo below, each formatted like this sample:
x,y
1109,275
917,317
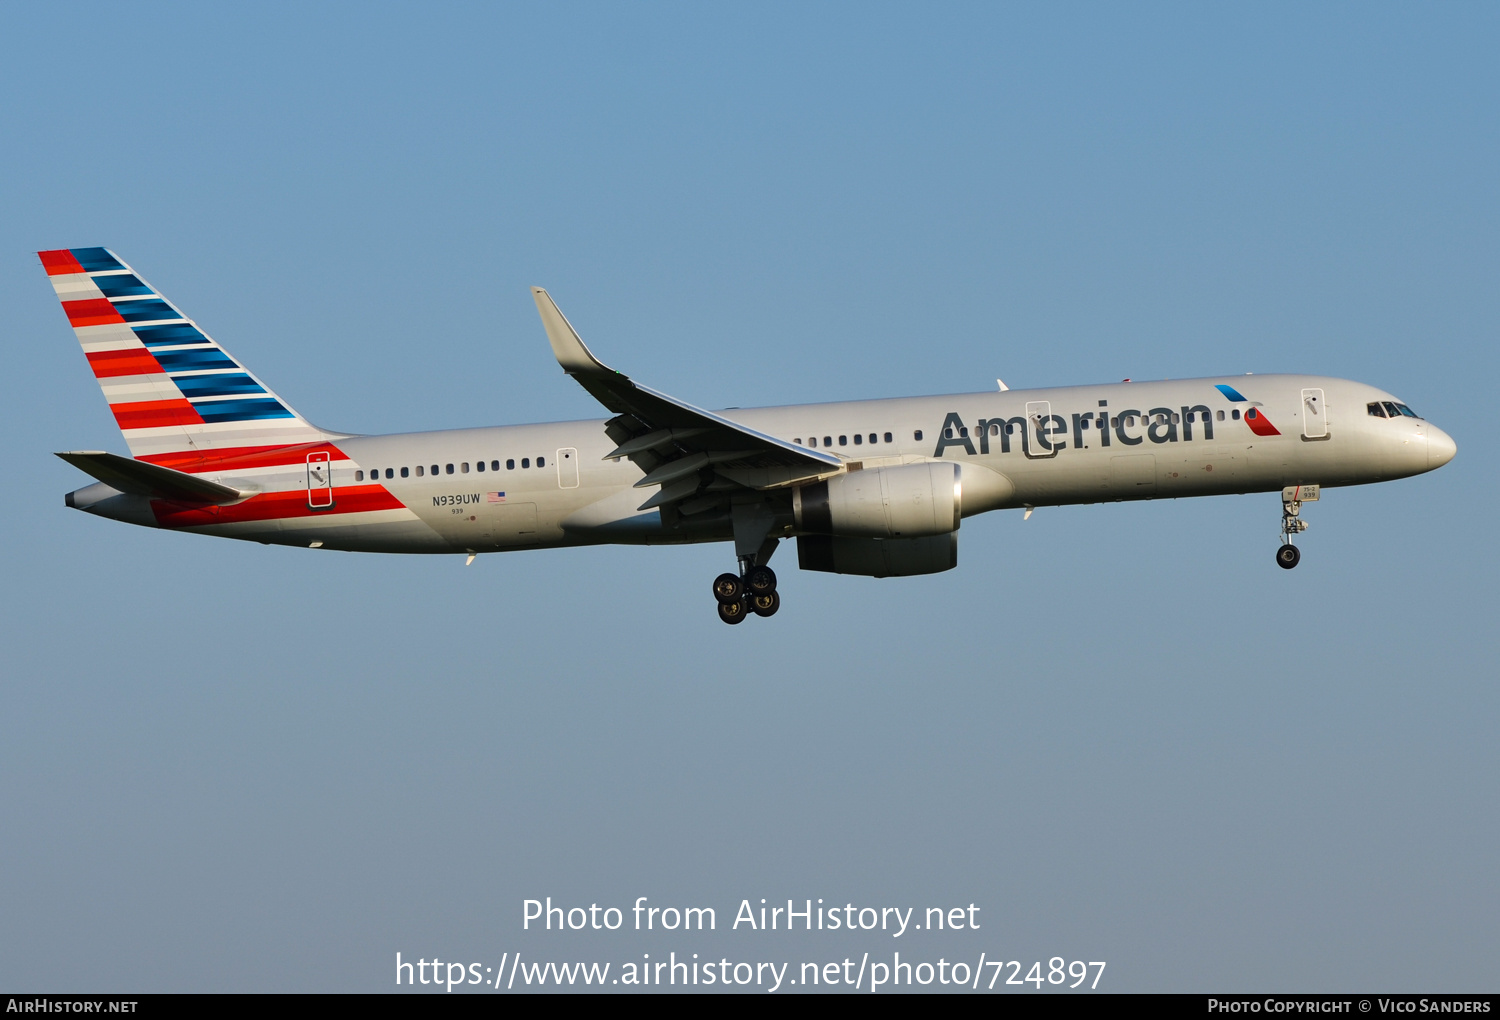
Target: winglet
x,y
570,351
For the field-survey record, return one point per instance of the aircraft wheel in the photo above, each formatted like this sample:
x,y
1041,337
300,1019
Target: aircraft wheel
x,y
727,589
733,612
765,605
761,581
1288,556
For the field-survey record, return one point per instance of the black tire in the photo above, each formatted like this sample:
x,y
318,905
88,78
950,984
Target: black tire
x,y
765,605
1288,556
760,581
733,612
728,588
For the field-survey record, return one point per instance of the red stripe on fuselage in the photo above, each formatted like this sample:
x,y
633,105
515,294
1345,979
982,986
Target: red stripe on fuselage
x,y
270,506
154,414
133,361
59,263
91,312
241,457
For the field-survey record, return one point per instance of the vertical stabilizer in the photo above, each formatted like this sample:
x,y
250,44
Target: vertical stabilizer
x,y
173,391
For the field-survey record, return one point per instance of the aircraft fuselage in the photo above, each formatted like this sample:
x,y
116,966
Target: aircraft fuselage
x,y
548,485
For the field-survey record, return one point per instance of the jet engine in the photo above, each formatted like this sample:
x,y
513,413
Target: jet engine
x,y
904,501
881,522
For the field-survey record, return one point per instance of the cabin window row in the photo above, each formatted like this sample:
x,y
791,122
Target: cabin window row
x,y
461,468
860,438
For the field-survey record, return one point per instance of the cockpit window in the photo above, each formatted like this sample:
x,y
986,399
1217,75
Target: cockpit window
x,y
1390,410
1408,412
1376,411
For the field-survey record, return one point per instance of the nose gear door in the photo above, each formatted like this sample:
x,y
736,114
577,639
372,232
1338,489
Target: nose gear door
x,y
1314,415
319,481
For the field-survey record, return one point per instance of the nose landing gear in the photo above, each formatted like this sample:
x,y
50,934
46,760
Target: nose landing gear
x,y
1292,498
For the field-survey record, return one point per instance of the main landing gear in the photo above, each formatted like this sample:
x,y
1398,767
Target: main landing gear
x,y
752,592
1288,556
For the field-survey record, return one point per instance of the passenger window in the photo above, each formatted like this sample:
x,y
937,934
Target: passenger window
x,y
526,462
888,438
1235,414
1221,415
494,465
843,440
798,440
419,471
858,439
947,433
406,472
812,441
873,438
434,470
450,469
479,466
917,435
1174,418
541,462
1010,428
464,467
510,465
827,440
359,476
390,472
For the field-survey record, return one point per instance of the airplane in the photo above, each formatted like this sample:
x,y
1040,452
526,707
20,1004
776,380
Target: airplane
x,y
870,487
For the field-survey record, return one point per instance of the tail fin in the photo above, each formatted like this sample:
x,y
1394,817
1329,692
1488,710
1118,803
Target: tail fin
x,y
174,392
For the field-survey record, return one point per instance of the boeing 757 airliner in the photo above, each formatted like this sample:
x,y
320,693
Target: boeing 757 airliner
x,y
872,487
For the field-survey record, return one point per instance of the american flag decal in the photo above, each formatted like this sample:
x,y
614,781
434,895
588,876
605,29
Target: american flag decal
x,y
496,497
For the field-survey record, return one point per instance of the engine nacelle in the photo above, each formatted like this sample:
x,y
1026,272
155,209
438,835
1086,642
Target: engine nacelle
x,y
905,501
878,557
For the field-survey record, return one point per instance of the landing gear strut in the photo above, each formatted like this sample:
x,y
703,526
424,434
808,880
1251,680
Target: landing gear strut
x,y
754,589
752,592
1288,556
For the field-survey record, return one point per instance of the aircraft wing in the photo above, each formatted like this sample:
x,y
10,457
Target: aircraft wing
x,y
696,456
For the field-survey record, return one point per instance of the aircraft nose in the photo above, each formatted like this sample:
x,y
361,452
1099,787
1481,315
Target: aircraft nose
x,y
1440,447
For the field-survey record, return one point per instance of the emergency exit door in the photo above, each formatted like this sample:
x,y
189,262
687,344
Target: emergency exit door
x,y
567,468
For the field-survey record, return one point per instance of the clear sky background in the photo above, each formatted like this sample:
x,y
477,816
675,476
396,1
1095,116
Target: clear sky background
x,y
1120,730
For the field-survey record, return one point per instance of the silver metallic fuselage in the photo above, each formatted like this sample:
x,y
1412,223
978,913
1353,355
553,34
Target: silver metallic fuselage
x,y
581,498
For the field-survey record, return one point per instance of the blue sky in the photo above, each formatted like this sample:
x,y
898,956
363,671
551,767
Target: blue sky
x,y
1119,729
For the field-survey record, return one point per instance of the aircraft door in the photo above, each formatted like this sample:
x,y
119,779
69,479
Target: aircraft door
x,y
319,481
1038,416
1314,415
567,468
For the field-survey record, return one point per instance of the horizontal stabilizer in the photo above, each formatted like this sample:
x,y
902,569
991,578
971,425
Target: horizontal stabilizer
x,y
140,478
